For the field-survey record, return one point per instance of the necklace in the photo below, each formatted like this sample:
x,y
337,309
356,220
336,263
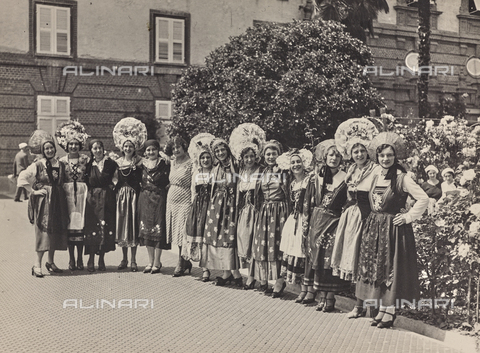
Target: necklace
x,y
130,168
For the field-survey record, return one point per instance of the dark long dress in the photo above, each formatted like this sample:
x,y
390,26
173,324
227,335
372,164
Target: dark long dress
x,y
128,188
100,208
152,206
433,191
388,258
49,213
195,225
322,210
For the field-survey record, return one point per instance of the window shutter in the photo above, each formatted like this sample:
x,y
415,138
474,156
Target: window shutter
x,y
46,124
44,29
163,110
45,105
163,39
178,39
62,30
62,107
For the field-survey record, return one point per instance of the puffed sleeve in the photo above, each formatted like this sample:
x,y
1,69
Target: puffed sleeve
x,y
415,191
27,177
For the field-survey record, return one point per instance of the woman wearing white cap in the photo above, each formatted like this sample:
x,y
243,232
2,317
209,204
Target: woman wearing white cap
x,y
449,187
432,187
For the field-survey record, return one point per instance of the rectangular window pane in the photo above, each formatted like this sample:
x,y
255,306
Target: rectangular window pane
x,y
62,43
177,52
163,51
45,18
178,30
163,111
45,39
45,124
62,19
162,29
62,107
46,106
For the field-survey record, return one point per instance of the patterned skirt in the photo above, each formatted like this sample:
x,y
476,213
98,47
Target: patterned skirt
x,y
100,221
321,236
266,240
151,213
245,229
388,261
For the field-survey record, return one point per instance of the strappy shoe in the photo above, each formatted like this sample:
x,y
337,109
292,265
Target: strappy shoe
x,y
71,265
321,304
156,269
389,323
123,265
375,322
238,282
134,267
147,269
37,272
51,267
356,312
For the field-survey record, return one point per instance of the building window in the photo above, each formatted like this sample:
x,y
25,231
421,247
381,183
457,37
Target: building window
x,y
53,27
51,113
169,37
53,30
163,113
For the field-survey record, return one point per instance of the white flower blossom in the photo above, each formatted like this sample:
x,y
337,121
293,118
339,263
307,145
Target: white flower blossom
x,y
475,209
469,174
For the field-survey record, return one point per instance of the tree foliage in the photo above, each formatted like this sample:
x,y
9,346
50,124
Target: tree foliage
x,y
295,80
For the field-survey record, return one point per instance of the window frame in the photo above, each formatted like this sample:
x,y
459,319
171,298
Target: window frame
x,y
72,7
171,16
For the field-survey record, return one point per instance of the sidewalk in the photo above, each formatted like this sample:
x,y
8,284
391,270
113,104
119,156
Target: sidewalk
x,y
180,314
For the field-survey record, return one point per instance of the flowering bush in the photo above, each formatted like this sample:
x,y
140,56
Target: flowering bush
x,y
448,241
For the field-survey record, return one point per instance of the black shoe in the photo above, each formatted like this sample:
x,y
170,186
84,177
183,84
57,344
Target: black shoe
x,y
52,267
156,269
300,297
309,300
250,286
188,266
238,281
18,200
329,305
280,292
80,264
134,267
223,281
123,265
71,266
375,322
101,266
389,323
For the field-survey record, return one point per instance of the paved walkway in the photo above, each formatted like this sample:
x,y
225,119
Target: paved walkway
x,y
181,314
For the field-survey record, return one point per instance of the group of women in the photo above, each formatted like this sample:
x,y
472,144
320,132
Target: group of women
x,y
240,204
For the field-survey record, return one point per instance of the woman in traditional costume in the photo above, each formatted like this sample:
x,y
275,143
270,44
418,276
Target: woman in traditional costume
x,y
48,204
220,227
272,189
193,248
129,135
325,197
101,206
388,258
246,142
152,205
72,138
293,264
352,140
432,187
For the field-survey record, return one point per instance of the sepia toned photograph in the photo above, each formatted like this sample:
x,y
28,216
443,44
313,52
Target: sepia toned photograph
x,y
240,176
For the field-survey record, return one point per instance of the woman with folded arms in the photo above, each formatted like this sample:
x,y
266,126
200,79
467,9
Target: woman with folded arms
x,y
48,209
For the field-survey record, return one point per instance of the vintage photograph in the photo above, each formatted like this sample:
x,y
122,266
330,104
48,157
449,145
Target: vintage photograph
x,y
240,176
